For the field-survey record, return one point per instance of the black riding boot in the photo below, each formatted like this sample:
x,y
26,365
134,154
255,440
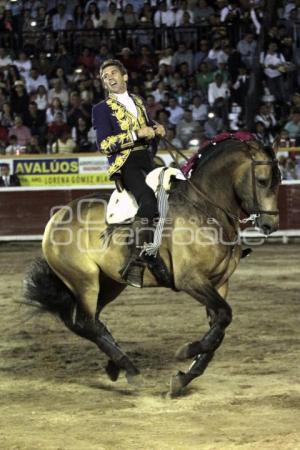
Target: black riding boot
x,y
134,270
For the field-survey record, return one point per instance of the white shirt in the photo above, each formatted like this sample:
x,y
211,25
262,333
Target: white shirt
x,y
127,101
215,92
164,18
268,59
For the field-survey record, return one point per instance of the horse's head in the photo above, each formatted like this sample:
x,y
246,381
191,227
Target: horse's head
x,y
256,186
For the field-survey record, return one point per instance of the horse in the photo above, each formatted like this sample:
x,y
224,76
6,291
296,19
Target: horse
x,y
79,273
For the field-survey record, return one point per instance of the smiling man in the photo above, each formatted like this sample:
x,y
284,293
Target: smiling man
x,y
124,134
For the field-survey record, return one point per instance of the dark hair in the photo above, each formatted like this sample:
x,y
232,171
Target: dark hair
x,y
113,62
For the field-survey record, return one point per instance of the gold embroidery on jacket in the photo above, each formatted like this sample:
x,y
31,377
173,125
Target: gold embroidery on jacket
x,y
128,123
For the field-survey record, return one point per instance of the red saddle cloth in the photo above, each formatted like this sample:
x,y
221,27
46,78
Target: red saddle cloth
x,y
244,136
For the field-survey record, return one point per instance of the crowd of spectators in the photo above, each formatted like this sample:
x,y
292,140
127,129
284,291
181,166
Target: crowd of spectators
x,y
191,60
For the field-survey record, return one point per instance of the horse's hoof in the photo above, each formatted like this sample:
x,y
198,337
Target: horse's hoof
x,y
112,370
135,379
177,384
183,352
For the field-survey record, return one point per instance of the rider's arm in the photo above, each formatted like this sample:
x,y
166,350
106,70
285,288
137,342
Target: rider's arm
x,y
108,142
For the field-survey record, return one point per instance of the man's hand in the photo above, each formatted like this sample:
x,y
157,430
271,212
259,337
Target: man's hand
x,y
159,130
145,133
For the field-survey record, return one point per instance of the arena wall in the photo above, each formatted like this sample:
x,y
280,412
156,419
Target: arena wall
x,y
25,211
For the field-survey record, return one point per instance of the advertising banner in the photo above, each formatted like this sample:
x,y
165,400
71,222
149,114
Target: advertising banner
x,y
60,171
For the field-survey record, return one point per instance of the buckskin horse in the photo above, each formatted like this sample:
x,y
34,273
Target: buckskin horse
x,y
80,272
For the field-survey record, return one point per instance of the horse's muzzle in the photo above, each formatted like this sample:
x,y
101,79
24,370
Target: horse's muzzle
x,y
268,223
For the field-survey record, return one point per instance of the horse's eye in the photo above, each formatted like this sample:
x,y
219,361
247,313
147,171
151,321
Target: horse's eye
x,y
263,182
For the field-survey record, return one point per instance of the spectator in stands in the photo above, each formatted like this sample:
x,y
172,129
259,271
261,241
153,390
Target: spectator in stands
x,y
165,57
273,63
22,132
42,19
163,118
217,89
3,138
109,18
202,55
59,92
34,80
34,119
87,59
79,16
240,87
63,63
164,17
213,125
83,136
186,127
76,109
247,48
199,109
5,59
204,77
58,126
54,107
262,134
34,147
13,147
176,112
7,180
181,12
40,97
65,143
266,117
19,98
182,55
171,140
23,63
202,12
103,55
293,126
129,16
6,116
153,107
60,19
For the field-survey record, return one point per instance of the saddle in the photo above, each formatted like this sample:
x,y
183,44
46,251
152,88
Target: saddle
x,y
122,206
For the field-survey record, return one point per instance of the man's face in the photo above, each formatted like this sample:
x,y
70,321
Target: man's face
x,y
113,80
4,171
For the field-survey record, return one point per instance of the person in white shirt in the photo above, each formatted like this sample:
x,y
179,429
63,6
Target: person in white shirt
x,y
5,59
217,89
34,80
23,63
180,13
273,63
60,19
164,16
176,112
199,109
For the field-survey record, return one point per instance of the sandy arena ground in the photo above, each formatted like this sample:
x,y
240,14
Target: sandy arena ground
x,y
55,394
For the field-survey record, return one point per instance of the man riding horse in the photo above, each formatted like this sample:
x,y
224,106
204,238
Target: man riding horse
x,y
124,134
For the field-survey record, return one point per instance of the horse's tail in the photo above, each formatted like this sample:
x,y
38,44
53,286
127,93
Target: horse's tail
x,y
44,289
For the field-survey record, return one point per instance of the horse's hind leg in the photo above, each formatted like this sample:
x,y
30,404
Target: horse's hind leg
x,y
219,313
84,322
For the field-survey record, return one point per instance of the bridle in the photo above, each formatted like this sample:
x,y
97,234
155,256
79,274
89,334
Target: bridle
x,y
255,213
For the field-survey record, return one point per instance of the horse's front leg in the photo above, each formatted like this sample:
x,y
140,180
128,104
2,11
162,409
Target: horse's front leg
x,y
219,313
